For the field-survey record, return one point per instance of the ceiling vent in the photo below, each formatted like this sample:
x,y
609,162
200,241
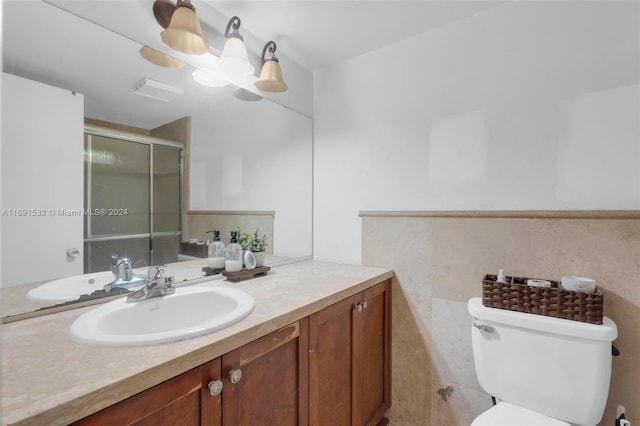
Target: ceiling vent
x,y
158,90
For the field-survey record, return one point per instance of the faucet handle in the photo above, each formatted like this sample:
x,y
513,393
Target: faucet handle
x,y
156,272
114,263
157,285
152,272
160,271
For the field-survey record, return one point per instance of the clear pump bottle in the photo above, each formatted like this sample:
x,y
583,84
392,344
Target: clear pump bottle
x,y
233,259
217,253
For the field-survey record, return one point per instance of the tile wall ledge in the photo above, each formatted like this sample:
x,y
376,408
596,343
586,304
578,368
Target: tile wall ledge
x,y
509,214
234,212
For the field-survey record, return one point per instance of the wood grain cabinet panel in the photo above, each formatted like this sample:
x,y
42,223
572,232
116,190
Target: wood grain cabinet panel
x,y
182,400
264,382
330,361
371,372
350,360
332,368
273,386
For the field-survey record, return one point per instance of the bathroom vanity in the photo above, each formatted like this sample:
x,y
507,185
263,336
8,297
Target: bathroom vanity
x,y
316,347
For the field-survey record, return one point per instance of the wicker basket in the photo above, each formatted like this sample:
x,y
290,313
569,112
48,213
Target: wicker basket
x,y
554,301
196,250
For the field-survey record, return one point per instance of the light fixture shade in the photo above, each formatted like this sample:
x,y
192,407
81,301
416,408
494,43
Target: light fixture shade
x,y
184,33
159,58
209,79
234,60
271,78
271,74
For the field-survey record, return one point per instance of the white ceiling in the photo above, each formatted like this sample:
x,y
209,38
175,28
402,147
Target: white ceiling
x,y
318,33
47,44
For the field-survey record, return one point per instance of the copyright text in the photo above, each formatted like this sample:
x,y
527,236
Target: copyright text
x,y
63,212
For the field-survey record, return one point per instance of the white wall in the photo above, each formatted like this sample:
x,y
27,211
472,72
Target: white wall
x,y
42,171
528,105
255,156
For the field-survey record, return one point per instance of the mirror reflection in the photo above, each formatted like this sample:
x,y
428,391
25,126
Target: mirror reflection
x,y
92,169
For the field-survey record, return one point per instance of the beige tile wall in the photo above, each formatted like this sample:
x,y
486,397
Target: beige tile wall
x,y
197,223
439,260
385,243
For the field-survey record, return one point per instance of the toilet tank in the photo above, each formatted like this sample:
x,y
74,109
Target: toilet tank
x,y
557,367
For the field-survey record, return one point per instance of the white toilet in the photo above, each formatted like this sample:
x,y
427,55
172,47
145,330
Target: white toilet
x,y
544,371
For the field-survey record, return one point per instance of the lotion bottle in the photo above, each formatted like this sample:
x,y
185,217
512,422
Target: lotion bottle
x,y
217,252
233,258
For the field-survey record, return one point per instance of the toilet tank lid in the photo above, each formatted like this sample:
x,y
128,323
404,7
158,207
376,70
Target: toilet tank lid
x,y
607,331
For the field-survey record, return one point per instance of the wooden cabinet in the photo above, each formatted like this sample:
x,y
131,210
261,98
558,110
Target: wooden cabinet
x,y
261,383
332,368
273,381
183,400
350,360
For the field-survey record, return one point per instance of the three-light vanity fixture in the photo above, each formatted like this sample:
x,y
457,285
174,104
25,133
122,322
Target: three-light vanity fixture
x,y
183,33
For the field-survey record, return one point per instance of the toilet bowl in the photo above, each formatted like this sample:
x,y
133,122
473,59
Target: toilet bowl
x,y
544,371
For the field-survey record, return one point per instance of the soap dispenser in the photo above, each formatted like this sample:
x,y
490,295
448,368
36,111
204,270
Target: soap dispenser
x,y
217,253
233,258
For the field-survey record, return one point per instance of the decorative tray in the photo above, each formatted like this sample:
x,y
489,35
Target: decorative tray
x,y
246,274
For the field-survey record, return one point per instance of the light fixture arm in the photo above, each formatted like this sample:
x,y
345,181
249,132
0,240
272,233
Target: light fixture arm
x,y
186,3
271,47
235,22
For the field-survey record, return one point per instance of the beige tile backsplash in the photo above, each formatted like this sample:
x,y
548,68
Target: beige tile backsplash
x,y
197,223
439,261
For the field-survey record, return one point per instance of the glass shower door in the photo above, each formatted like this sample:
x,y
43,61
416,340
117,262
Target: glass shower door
x,y
167,199
132,201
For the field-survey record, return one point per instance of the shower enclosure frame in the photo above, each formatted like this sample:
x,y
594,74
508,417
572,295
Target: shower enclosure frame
x,y
90,131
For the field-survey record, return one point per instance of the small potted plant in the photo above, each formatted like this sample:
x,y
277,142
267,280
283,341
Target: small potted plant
x,y
255,242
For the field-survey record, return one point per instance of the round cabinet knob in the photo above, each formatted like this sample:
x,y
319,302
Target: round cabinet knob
x,y
235,376
359,307
364,305
215,387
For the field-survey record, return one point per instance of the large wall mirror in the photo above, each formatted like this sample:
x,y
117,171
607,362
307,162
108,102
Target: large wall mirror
x,y
245,163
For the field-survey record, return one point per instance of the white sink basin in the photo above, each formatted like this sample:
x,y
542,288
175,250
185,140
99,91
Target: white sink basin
x,y
189,312
71,288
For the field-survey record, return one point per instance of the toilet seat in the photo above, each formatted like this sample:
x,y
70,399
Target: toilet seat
x,y
505,414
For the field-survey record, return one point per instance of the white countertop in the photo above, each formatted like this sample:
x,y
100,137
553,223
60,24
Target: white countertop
x,y
47,379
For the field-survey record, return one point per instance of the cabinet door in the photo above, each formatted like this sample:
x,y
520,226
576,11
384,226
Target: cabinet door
x,y
211,393
183,400
266,382
372,356
350,360
330,359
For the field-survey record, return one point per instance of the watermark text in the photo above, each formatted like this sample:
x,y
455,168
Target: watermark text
x,y
35,212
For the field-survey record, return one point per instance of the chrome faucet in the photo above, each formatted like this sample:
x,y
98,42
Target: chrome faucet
x,y
123,275
157,285
121,268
